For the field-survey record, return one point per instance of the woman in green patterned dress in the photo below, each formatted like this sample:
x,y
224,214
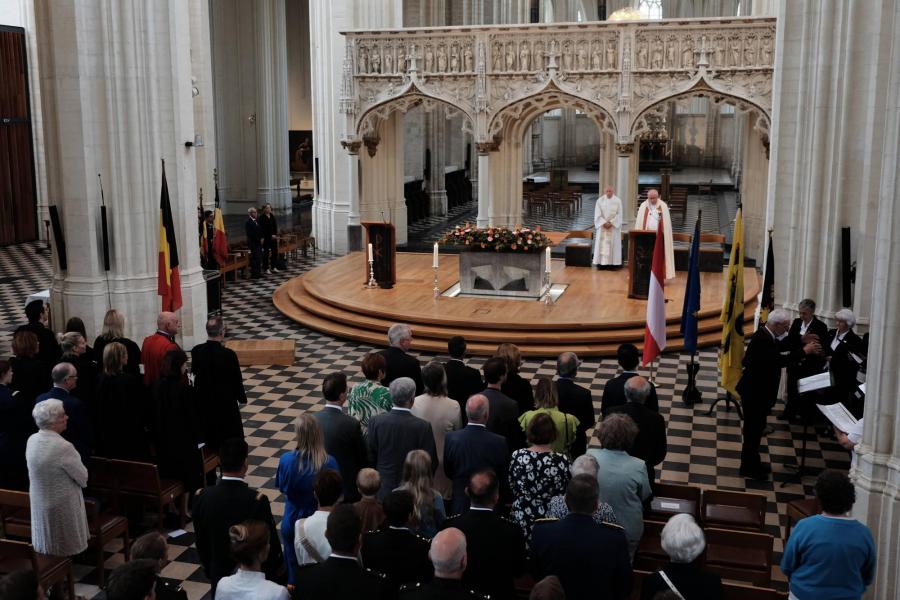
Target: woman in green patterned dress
x,y
369,398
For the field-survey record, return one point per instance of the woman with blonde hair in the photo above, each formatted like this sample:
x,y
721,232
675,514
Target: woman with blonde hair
x,y
515,386
122,411
296,477
249,543
114,331
566,425
428,505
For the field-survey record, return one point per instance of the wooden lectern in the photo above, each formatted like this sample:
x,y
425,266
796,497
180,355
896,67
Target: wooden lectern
x,y
383,238
640,262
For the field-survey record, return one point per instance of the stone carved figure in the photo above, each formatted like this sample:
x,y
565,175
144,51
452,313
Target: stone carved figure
x,y
524,57
596,57
429,58
656,57
687,53
553,54
375,60
720,52
401,58
642,54
670,52
611,54
389,59
568,57
468,59
497,57
766,51
750,51
454,58
510,57
582,56
442,59
363,60
735,50
540,57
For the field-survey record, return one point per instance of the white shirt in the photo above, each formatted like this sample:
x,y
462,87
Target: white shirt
x,y
314,526
804,327
838,339
249,584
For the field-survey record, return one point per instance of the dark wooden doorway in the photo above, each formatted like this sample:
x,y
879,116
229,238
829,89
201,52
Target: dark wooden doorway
x,y
18,210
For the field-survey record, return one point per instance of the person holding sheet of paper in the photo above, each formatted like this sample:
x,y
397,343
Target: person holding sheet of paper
x,y
805,328
843,349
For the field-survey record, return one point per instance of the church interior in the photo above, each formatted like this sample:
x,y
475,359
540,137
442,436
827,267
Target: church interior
x,y
374,130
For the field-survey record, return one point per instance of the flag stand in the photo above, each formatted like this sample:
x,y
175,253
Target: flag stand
x,y
653,371
728,402
691,395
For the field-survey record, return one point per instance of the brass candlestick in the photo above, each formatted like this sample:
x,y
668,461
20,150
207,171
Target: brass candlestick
x,y
436,291
371,284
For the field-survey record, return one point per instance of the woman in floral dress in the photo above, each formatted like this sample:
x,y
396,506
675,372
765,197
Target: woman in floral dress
x,y
537,474
369,398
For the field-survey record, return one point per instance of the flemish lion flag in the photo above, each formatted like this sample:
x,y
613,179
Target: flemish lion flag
x,y
732,318
168,282
767,303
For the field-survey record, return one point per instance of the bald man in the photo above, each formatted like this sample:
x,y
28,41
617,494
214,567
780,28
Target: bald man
x,y
155,346
474,448
651,211
448,554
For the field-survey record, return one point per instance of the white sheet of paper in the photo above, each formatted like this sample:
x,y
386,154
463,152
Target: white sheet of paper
x,y
815,382
862,387
839,416
177,533
670,505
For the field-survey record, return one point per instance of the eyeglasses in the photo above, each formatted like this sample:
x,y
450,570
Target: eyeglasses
x,y
72,377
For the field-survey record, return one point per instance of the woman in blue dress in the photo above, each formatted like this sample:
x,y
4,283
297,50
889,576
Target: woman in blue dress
x,y
295,478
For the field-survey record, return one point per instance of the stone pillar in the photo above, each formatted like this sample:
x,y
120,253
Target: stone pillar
x,y
484,187
117,112
436,132
754,156
354,227
273,171
625,188
204,105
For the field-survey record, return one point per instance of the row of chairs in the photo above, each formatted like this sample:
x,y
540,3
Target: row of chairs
x,y
546,201
678,201
713,508
733,591
459,189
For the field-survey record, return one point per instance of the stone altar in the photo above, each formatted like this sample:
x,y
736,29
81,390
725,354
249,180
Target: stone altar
x,y
491,273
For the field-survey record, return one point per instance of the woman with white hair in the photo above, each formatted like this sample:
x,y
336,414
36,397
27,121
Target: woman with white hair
x,y
583,465
844,352
58,520
683,541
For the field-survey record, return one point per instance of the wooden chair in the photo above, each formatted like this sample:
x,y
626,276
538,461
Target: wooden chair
x,y
639,576
15,515
740,555
739,591
649,555
705,188
104,528
50,570
671,499
800,509
210,461
734,510
141,481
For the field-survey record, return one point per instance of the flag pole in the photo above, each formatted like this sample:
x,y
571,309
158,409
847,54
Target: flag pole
x,y
653,370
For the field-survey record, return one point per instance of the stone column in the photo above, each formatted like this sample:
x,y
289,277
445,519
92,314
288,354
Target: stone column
x,y
204,105
273,173
116,94
354,226
436,132
754,156
625,188
484,187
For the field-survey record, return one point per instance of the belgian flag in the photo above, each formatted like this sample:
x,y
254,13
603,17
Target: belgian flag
x,y
732,317
168,284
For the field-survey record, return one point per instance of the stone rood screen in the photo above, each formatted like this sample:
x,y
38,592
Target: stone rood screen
x,y
616,72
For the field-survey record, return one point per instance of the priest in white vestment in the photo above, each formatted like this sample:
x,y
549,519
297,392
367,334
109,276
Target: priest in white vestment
x,y
608,224
651,210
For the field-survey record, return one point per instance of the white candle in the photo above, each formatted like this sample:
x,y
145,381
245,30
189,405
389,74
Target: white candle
x,y
547,253
370,253
434,262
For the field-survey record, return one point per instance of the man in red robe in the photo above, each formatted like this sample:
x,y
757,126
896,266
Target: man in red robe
x,y
155,346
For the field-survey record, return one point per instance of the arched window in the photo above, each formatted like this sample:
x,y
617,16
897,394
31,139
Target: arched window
x,y
650,9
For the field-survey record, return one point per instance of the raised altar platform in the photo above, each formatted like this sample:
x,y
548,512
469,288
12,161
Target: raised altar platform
x,y
592,318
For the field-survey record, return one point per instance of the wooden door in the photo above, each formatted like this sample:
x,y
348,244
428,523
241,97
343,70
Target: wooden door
x,y
18,211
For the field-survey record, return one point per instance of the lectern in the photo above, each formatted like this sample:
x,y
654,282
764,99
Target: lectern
x,y
640,262
383,238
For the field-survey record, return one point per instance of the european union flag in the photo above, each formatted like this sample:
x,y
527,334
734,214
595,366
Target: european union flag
x,y
692,294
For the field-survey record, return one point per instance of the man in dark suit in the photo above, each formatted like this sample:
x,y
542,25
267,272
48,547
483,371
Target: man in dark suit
x,y
462,380
473,448
399,363
255,241
590,560
805,328
268,229
38,315
219,386
503,415
343,434
845,354
395,550
758,387
574,400
341,577
78,430
495,546
614,390
650,443
448,554
228,503
392,435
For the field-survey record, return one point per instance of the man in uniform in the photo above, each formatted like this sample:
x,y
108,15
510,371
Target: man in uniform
x,y
396,551
157,345
495,546
228,503
448,554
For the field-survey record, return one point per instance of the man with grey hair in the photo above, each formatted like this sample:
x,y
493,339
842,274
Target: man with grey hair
x,y
156,346
650,443
398,362
766,355
448,554
574,399
78,431
255,241
844,351
683,540
219,386
805,328
393,435
472,449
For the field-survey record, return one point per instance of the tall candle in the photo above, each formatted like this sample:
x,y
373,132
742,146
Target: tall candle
x,y
370,253
434,261
547,253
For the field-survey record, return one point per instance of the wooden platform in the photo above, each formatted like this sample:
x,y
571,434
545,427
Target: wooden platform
x,y
263,352
591,318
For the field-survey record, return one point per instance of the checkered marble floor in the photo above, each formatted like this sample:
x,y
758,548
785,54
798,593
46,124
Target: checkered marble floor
x,y
703,450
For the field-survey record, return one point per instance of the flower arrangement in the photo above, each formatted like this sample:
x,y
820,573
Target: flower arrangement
x,y
498,239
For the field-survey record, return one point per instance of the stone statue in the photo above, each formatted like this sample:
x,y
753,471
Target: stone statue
x,y
363,60
596,58
687,53
524,57
497,57
510,57
454,58
582,56
720,52
568,58
670,53
766,51
468,59
540,58
611,54
401,58
642,55
375,61
442,59
429,58
750,52
735,48
656,57
389,59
